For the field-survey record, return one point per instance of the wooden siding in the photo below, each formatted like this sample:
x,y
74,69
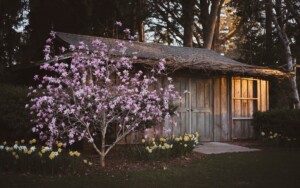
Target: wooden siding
x,y
219,108
222,109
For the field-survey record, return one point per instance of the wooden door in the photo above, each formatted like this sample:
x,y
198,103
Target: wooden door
x,y
182,86
201,108
195,109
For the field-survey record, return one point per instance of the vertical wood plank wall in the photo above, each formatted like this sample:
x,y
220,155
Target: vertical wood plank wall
x,y
181,85
221,109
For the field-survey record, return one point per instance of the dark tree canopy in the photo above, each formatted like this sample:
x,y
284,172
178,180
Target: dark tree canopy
x,y
11,18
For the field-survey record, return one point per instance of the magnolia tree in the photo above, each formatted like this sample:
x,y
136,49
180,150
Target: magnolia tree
x,y
96,90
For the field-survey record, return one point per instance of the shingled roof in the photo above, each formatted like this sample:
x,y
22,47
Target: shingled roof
x,y
179,57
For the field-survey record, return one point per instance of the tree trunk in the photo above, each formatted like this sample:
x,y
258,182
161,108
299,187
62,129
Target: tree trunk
x,y
203,16
188,7
141,32
269,41
295,92
216,42
102,160
209,33
140,26
102,156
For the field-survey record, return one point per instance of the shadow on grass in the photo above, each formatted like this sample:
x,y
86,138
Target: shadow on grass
x,y
267,168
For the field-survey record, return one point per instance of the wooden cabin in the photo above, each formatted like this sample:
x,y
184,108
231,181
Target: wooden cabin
x,y
222,93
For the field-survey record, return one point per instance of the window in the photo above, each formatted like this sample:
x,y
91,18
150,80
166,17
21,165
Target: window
x,y
249,95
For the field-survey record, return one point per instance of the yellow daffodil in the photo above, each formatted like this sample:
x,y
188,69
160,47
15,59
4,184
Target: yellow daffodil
x,y
143,141
17,156
4,143
71,153
76,153
59,144
52,155
85,161
90,163
186,138
162,139
22,141
59,150
34,140
40,154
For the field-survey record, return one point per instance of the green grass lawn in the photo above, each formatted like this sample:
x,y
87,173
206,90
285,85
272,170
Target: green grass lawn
x,y
268,168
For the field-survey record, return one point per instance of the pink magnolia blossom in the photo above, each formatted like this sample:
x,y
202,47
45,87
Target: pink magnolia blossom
x,y
83,99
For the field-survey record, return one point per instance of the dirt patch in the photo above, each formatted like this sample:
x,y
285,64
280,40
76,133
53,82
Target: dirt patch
x,y
117,161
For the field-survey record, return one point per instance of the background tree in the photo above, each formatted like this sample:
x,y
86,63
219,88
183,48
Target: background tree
x,y
280,20
11,19
88,17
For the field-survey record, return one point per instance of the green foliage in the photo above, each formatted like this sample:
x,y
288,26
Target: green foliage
x,y
14,120
285,124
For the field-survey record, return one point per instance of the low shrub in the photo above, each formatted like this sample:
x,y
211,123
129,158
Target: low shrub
x,y
31,157
277,126
14,120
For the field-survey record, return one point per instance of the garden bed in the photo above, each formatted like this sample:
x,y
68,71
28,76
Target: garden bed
x,y
120,161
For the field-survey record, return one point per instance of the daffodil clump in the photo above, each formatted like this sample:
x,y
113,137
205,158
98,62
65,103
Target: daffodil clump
x,y
165,147
23,155
276,138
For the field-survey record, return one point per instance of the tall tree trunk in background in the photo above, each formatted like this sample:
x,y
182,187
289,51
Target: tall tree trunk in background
x,y
269,38
204,17
140,21
216,41
288,54
141,31
213,16
188,7
279,13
